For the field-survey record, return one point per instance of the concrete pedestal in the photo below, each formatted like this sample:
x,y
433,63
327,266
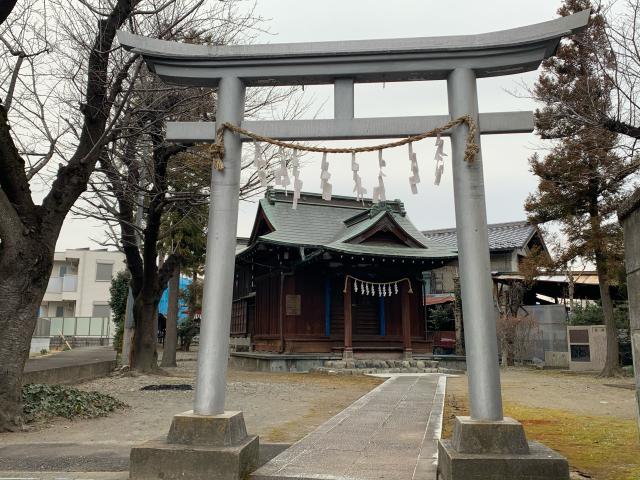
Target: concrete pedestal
x,y
496,450
198,447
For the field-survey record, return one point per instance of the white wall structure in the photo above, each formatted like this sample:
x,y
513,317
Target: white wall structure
x,y
79,283
587,347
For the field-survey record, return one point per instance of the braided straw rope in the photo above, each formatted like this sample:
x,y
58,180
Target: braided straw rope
x,y
217,149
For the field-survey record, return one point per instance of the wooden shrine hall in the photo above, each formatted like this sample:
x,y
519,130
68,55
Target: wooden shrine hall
x,y
340,276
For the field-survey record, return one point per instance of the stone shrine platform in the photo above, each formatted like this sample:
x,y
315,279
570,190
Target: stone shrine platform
x,y
390,433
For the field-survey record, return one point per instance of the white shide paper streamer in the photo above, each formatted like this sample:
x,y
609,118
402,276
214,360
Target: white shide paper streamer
x,y
414,179
439,158
324,179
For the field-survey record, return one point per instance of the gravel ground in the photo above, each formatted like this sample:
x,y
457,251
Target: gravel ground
x,y
280,407
580,393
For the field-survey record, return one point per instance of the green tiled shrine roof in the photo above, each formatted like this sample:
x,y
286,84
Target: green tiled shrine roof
x,y
319,223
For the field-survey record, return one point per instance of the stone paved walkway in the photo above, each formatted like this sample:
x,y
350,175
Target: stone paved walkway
x,y
390,433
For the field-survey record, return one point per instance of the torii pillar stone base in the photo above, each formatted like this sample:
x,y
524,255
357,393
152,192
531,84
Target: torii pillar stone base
x,y
497,450
198,447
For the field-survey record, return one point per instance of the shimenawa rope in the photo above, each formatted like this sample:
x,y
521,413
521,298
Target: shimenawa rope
x,y
217,149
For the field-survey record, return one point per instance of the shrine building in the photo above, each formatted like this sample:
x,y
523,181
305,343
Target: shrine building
x,y
339,277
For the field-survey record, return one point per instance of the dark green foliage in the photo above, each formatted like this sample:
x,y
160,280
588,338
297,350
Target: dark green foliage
x,y
119,291
441,317
189,329
591,314
47,401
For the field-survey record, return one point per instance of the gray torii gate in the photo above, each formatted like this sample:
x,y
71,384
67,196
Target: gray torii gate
x,y
460,60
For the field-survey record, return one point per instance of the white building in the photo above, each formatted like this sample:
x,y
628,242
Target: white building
x,y
79,283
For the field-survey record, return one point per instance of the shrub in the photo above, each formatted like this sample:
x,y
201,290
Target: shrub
x,y
47,401
591,314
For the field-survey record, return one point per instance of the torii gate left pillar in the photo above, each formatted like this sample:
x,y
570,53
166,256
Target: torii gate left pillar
x,y
484,445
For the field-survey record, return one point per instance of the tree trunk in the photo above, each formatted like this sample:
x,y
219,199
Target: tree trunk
x,y
22,286
171,332
145,356
612,362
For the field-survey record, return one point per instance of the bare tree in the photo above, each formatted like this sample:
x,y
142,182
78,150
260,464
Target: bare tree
x,y
171,182
65,88
619,64
623,35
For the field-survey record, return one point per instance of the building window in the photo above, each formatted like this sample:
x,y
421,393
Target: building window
x,y
101,311
104,272
63,270
60,311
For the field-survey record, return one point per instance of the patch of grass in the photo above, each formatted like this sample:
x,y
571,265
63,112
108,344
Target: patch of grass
x,y
41,402
604,447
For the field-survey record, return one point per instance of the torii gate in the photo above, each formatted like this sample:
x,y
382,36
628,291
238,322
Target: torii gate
x,y
459,60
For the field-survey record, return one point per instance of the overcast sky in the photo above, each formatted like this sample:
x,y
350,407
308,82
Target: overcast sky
x,y
508,180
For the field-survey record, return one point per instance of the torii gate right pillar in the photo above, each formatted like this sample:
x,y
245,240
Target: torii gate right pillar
x,y
473,254
485,444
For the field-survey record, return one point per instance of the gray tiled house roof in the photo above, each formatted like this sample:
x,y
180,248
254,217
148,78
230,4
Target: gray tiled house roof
x,y
333,225
502,236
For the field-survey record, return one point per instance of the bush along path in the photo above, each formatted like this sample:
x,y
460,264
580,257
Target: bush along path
x,y
42,402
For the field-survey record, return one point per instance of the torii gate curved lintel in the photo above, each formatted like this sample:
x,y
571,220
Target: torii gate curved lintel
x,y
504,52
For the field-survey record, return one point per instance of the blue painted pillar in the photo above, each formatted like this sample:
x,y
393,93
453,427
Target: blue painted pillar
x,y
383,320
327,306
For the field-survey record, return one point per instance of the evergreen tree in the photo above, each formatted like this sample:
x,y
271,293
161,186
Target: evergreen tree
x,y
582,178
119,292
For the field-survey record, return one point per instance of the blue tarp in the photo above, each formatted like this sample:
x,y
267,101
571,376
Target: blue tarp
x,y
164,300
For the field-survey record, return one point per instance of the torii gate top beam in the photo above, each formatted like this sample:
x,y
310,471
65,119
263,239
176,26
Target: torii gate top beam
x,y
426,58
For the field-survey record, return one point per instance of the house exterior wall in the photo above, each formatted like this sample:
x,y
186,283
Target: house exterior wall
x,y
630,216
504,261
442,277
73,284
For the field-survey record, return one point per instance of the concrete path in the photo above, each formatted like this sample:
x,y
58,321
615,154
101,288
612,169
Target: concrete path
x,y
390,433
71,366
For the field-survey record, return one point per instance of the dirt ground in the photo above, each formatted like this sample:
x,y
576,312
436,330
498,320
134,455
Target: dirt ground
x,y
278,407
588,419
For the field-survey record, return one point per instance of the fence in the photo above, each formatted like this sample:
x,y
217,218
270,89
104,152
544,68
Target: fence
x,y
100,327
